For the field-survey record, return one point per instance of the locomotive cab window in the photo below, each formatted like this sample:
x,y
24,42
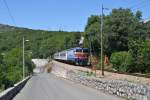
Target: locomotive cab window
x,y
78,50
85,50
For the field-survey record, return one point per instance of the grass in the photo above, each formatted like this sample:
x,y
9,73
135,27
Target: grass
x,y
87,73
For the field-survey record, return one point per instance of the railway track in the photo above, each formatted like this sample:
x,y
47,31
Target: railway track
x,y
132,74
84,68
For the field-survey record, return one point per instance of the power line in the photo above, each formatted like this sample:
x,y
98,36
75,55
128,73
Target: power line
x,y
141,6
135,5
147,5
9,12
146,18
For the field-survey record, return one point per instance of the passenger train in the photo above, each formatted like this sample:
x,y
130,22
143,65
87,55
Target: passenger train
x,y
77,55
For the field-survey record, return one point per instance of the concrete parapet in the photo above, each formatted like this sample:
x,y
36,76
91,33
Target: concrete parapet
x,y
9,93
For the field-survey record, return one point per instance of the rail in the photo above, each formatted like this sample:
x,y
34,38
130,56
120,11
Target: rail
x,y
132,74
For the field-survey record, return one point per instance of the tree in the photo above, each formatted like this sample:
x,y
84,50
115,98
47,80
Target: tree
x,y
122,61
119,25
13,61
140,51
4,82
92,34
1,71
13,66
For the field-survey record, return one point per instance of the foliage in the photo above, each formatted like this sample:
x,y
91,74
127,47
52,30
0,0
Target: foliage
x,y
124,36
1,71
11,67
122,61
140,51
92,33
42,44
118,26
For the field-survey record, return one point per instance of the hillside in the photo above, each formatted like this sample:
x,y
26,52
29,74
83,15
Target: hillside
x,y
41,43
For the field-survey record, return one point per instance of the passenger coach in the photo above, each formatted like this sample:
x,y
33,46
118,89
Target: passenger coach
x,y
78,56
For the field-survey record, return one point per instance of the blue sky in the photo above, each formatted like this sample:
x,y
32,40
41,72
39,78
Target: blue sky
x,y
67,15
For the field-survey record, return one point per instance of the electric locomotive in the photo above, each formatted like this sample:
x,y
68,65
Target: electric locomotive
x,y
77,55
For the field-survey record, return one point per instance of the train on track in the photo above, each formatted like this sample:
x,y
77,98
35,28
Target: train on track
x,y
77,56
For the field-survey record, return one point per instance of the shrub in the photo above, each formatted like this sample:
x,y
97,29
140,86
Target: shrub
x,y
122,61
98,66
11,67
140,51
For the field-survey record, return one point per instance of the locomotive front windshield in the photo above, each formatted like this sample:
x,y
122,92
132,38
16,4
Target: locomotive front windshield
x,y
78,50
85,50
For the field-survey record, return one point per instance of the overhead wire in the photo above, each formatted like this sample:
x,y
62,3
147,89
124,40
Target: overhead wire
x,y
139,6
12,18
9,12
145,19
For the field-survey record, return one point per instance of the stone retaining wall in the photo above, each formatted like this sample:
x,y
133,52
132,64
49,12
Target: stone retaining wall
x,y
116,87
12,91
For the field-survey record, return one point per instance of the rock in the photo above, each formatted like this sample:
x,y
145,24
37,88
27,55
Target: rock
x,y
117,87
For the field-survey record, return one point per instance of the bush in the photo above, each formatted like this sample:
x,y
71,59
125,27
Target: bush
x,y
122,61
98,66
140,51
11,67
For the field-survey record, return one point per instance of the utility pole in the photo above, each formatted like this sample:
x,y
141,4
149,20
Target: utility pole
x,y
43,42
90,49
102,13
23,60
